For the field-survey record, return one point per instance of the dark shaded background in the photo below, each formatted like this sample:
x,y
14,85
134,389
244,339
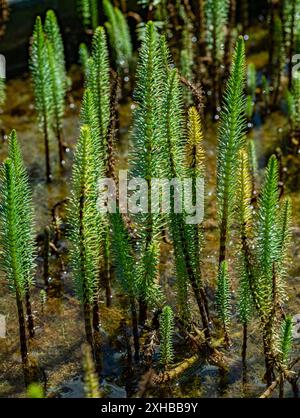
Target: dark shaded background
x,y
14,44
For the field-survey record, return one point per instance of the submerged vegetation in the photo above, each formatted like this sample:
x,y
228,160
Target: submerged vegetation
x,y
170,229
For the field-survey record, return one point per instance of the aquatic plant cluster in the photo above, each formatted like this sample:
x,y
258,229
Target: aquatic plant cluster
x,y
181,67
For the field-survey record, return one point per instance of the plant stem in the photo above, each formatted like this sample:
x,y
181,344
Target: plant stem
x,y
107,283
30,322
60,144
22,329
142,311
269,362
47,154
97,337
223,239
135,330
46,257
292,42
244,348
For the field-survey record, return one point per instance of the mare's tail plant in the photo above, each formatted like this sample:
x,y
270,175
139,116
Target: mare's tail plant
x,y
223,300
58,78
291,9
216,19
146,163
194,233
253,165
166,327
41,74
187,54
119,35
99,85
267,270
91,379
17,238
125,270
84,56
251,90
231,138
245,304
286,340
173,146
85,232
293,107
267,255
278,60
88,10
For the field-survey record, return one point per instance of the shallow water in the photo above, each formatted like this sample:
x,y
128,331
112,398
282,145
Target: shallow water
x,y
59,324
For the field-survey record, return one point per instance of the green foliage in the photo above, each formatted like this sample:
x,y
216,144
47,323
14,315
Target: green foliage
x,y
244,194
251,90
43,297
84,217
231,136
123,255
53,34
251,80
41,74
35,391
91,379
174,167
17,230
223,296
98,83
84,56
284,241
267,236
216,18
173,145
194,147
286,339
272,242
253,165
293,102
187,54
290,20
166,327
88,10
148,113
245,225
195,157
119,34
284,229
249,107
157,94
89,117
57,88
278,58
